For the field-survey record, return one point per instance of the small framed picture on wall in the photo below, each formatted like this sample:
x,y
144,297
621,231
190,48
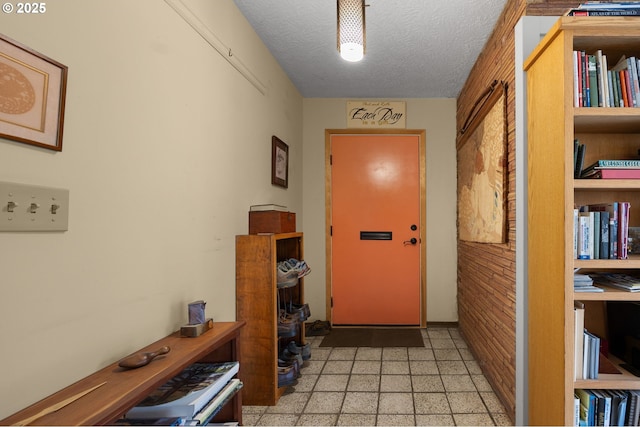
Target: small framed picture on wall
x,y
32,96
279,162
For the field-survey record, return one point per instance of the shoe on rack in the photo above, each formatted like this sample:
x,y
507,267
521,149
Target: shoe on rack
x,y
301,309
286,376
300,267
287,356
293,363
287,328
286,276
303,350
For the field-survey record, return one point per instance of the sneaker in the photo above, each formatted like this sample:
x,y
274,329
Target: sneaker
x,y
301,309
286,376
300,267
287,328
286,276
304,350
287,356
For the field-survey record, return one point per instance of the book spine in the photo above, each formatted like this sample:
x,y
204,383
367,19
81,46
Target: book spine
x,y
604,235
583,236
576,79
608,12
593,81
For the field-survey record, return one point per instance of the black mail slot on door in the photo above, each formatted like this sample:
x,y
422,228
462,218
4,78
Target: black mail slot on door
x,y
375,235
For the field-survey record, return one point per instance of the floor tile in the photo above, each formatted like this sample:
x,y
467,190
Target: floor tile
x,y
423,367
322,402
396,420
337,367
492,402
395,353
292,403
466,403
442,343
366,367
420,353
431,403
356,420
447,354
395,367
369,353
277,420
458,383
357,402
317,420
427,383
395,383
473,419
345,353
364,383
330,382
395,403
451,367
434,420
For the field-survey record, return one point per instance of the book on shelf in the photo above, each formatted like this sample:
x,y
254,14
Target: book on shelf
x,y
616,234
597,84
578,312
578,155
605,12
612,173
214,406
619,163
186,393
623,281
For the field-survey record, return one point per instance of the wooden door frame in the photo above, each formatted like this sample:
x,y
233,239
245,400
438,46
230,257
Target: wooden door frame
x,y
328,133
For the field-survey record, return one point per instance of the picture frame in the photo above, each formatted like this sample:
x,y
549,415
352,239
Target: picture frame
x,y
32,96
279,162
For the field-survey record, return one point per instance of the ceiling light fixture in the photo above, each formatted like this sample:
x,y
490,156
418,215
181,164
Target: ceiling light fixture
x,y
351,29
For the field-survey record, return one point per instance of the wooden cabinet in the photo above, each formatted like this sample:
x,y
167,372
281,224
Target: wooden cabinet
x,y
257,297
608,133
119,389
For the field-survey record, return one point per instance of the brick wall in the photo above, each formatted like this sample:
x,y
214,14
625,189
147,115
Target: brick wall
x,y
486,272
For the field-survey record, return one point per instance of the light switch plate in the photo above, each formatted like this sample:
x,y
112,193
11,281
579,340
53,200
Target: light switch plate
x,y
33,208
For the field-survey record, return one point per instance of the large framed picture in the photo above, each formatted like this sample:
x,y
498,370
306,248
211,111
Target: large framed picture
x,y
279,162
32,96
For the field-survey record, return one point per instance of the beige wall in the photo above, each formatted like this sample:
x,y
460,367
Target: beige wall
x,y
165,147
437,117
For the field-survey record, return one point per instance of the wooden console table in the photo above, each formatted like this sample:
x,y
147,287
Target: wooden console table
x,y
123,389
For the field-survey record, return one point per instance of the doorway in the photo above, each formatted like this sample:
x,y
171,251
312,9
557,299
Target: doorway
x,y
376,227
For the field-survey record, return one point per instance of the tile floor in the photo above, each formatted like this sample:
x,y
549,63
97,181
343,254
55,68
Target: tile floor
x,y
440,384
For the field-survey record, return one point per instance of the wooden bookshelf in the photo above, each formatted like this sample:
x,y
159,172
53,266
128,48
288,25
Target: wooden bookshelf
x,y
121,389
608,133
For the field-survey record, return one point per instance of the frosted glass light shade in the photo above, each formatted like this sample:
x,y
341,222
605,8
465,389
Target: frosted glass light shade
x,y
351,29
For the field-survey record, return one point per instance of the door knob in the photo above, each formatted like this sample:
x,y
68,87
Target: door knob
x,y
411,241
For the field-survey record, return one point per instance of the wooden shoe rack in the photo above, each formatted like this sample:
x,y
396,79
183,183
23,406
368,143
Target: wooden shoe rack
x,y
257,256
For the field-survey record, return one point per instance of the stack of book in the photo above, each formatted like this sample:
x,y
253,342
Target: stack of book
x,y
612,169
601,231
193,397
603,8
622,281
607,407
584,283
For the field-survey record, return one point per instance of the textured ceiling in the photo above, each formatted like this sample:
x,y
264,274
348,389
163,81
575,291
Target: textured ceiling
x,y
415,48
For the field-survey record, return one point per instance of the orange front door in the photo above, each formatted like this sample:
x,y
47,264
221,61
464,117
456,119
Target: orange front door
x,y
375,219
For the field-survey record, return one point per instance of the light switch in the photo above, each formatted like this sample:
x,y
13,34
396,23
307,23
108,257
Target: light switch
x,y
33,208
